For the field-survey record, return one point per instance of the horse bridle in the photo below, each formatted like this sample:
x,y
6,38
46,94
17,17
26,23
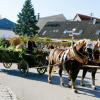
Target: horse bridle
x,y
78,52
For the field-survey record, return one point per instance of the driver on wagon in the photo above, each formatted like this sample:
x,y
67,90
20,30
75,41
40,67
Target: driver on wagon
x,y
31,44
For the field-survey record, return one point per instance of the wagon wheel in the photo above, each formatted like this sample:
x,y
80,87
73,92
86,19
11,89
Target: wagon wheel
x,y
42,67
23,66
41,70
7,65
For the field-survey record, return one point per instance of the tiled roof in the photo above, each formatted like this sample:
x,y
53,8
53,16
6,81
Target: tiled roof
x,y
42,21
85,17
56,29
6,24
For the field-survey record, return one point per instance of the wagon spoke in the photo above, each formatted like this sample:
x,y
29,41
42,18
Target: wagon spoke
x,y
41,70
23,66
7,65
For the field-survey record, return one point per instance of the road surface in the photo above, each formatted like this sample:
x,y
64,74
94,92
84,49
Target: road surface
x,y
35,86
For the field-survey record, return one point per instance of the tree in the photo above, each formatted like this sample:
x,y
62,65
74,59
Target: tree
x,y
26,23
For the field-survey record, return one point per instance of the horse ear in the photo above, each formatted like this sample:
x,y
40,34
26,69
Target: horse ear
x,y
83,41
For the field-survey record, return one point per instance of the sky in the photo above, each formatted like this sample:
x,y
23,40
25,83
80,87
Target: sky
x,y
10,8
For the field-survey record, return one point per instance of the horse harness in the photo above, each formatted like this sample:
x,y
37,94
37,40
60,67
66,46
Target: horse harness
x,y
72,54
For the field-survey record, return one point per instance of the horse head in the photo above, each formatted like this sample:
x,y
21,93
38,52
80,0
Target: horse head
x,y
79,45
89,50
96,52
80,53
97,46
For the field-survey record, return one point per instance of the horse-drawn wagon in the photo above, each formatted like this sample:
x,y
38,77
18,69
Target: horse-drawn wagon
x,y
24,60
36,59
7,57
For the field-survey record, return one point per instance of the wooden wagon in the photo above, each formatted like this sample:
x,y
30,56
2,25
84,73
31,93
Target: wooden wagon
x,y
24,60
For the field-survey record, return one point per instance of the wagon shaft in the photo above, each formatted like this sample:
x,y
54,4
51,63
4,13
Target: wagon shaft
x,y
91,66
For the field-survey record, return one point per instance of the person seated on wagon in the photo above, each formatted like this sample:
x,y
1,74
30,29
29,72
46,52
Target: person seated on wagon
x,y
50,46
31,45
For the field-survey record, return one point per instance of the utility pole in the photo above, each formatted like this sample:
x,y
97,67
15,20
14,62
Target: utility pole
x,y
38,16
72,36
91,14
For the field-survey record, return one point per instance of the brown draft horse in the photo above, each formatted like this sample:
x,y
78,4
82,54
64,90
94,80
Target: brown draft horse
x,y
94,61
69,59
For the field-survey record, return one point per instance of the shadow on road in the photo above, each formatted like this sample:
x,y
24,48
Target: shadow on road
x,y
90,92
33,76
55,79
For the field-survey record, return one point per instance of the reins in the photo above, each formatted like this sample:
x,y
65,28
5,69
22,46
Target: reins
x,y
79,53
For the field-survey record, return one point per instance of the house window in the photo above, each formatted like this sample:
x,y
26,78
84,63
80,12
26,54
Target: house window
x,y
65,31
44,32
55,31
79,33
98,32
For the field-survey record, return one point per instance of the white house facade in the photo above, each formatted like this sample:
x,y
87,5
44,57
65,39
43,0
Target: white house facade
x,y
6,28
7,33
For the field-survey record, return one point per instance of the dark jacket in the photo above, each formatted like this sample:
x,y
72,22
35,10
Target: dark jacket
x,y
31,45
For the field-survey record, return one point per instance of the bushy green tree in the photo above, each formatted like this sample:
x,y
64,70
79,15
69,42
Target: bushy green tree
x,y
26,23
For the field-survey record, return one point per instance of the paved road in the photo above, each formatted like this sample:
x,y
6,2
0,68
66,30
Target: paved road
x,y
6,93
35,87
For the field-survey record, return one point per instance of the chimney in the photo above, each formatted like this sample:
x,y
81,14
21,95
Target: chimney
x,y
38,16
91,14
0,16
94,21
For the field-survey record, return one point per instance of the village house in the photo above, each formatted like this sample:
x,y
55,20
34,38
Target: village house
x,y
6,28
57,27
85,27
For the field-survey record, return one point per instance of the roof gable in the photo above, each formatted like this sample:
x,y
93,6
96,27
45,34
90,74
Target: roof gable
x,y
83,17
42,21
6,24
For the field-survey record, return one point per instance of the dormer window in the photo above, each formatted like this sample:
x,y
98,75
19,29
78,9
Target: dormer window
x,y
79,33
98,32
44,32
65,31
56,30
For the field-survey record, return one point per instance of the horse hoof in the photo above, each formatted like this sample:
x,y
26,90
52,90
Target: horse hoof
x,y
69,79
61,84
93,87
75,91
49,81
69,86
82,84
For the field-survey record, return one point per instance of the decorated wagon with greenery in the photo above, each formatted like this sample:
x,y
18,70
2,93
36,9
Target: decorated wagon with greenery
x,y
24,60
